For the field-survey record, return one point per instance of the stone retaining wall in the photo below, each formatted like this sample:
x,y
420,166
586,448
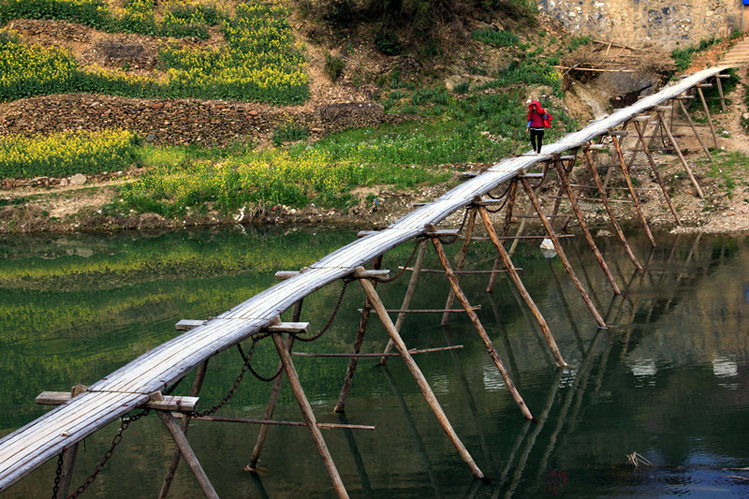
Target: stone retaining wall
x,y
664,24
181,121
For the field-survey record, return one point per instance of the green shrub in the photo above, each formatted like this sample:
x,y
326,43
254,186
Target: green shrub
x,y
290,132
334,66
387,42
496,37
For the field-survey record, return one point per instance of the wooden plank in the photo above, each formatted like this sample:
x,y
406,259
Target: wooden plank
x,y
167,403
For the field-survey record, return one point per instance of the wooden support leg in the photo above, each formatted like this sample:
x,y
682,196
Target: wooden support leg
x,y
635,199
407,298
709,118
654,168
66,475
560,252
479,327
505,230
190,458
607,205
194,392
521,288
588,236
683,160
68,457
460,263
363,321
426,390
720,92
309,416
694,130
275,392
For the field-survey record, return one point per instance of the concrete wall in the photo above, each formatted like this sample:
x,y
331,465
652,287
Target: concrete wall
x,y
665,24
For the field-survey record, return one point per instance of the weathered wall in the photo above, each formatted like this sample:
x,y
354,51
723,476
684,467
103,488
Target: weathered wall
x,y
665,24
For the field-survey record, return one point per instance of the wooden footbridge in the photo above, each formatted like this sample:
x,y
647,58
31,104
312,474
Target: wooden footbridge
x,y
143,382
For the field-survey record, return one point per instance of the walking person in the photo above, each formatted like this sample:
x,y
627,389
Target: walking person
x,y
538,120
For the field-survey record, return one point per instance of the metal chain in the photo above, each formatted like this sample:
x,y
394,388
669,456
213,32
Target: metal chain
x,y
405,266
126,420
346,282
58,474
229,394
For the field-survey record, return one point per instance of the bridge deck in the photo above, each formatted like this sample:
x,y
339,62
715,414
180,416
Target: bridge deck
x,y
127,388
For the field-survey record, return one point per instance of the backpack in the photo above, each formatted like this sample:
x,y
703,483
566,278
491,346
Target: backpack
x,y
547,119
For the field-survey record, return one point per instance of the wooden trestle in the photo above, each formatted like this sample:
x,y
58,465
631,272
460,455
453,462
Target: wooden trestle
x,y
140,383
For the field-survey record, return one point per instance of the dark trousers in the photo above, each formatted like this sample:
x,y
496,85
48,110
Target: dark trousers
x,y
537,136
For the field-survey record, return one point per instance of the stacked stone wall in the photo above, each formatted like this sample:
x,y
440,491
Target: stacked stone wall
x,y
662,24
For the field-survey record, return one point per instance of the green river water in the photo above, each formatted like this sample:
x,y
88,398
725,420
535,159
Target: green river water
x,y
670,380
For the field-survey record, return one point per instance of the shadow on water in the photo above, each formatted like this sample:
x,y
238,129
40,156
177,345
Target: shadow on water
x,y
668,380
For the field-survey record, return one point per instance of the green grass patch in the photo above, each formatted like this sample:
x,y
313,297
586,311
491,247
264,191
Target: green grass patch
x,y
496,37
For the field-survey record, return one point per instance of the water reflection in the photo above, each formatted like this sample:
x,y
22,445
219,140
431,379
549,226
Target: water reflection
x,y
668,381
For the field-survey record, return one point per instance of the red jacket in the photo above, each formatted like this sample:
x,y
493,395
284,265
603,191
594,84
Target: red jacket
x,y
538,117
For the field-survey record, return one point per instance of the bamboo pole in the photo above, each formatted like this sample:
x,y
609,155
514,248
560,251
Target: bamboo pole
x,y
197,384
190,458
407,298
69,456
684,162
309,416
426,390
612,217
560,252
588,236
709,118
720,92
461,261
521,288
632,191
296,314
351,368
513,189
479,327
654,168
694,129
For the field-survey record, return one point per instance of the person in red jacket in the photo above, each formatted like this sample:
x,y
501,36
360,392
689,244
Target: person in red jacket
x,y
538,120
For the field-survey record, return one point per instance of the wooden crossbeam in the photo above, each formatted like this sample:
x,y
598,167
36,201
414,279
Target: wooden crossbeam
x,y
188,324
167,402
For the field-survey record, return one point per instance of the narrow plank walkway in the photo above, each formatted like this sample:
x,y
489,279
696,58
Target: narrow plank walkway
x,y
129,387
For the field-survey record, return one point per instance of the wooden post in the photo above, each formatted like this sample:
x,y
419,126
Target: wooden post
x,y
407,298
560,252
694,129
588,236
461,262
426,390
720,92
654,167
513,189
184,447
479,327
309,416
363,321
69,455
275,392
709,118
683,160
604,198
632,191
194,392
521,288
